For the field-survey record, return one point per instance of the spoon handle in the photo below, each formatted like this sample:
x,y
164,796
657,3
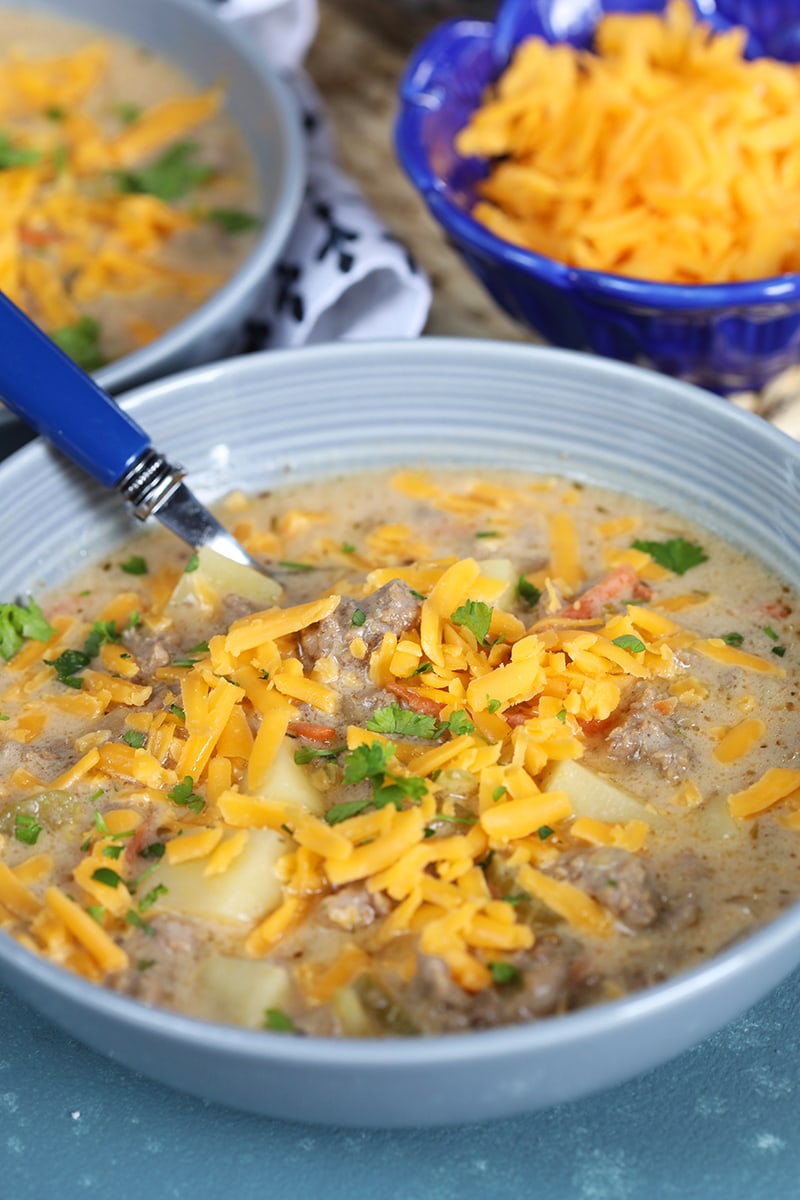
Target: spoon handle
x,y
48,391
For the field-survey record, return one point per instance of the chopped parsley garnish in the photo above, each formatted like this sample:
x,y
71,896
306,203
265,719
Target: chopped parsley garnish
x,y
629,642
561,716
779,650
770,632
455,820
185,662
127,112
402,721
67,666
149,900
676,554
55,113
503,972
26,828
97,912
348,548
184,795
370,762
276,1020
192,564
233,220
134,738
107,876
458,723
16,156
133,918
733,639
516,899
493,705
346,810
154,850
4,717
81,342
545,832
112,851
499,792
307,754
358,618
475,616
422,669
177,711
18,622
296,566
101,633
487,533
527,592
136,565
170,176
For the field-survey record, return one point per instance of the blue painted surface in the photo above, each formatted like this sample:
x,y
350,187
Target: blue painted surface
x,y
719,1123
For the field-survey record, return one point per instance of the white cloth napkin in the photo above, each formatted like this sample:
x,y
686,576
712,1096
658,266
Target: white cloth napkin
x,y
342,274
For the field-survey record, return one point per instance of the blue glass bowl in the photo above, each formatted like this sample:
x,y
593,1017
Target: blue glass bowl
x,y
726,337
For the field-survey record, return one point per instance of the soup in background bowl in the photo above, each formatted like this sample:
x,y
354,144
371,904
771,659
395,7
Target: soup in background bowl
x,y
501,472
152,171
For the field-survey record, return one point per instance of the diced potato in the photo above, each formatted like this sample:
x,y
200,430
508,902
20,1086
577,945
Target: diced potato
x,y
501,568
288,782
595,795
217,577
240,990
245,892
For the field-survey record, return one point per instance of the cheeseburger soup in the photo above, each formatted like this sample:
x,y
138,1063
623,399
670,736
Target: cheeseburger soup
x,y
505,747
126,195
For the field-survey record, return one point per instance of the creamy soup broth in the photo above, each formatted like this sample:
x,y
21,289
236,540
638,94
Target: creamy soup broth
x,y
542,751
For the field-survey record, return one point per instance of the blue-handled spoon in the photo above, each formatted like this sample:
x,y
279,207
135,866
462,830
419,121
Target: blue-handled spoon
x,y
52,394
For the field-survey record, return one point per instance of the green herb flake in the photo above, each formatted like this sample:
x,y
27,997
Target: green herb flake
x,y
233,220
81,342
144,964
458,723
136,565
493,705
192,564
394,719
112,851
423,669
133,918
200,648
288,565
67,666
358,618
133,737
487,533
185,662
527,592
277,1021
4,717
97,912
348,548
545,832
779,651
177,711
101,633
516,899
561,716
154,850
770,632
307,754
343,812
732,639
183,795
107,876
127,112
503,972
475,616
26,829
170,176
676,554
18,622
149,900
55,113
499,792
16,156
631,643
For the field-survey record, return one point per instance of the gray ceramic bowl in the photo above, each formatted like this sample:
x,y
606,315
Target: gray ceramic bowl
x,y
208,49
253,422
